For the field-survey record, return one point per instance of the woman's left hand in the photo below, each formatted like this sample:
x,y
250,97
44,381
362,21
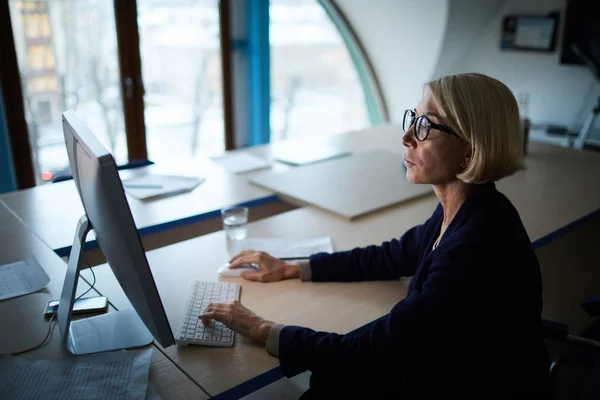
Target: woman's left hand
x,y
238,318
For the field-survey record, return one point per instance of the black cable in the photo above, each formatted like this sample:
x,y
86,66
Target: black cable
x,y
41,344
50,326
91,285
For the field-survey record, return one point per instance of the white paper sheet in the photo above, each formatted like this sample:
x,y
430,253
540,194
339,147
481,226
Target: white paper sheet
x,y
22,277
238,163
284,248
113,375
151,185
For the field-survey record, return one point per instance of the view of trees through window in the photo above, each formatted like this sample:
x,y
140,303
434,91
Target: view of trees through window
x,y
67,52
315,89
68,59
181,69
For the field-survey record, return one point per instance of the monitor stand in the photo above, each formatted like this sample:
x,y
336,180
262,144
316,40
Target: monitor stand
x,y
112,331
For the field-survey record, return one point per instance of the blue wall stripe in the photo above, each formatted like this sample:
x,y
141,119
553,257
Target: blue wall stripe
x,y
7,177
259,74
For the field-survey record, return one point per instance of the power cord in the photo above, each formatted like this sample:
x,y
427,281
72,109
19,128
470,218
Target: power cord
x,y
43,342
91,286
50,326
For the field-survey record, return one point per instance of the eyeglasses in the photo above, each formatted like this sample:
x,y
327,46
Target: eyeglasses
x,y
422,125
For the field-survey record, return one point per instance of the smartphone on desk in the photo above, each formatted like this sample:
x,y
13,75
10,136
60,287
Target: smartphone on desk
x,y
81,306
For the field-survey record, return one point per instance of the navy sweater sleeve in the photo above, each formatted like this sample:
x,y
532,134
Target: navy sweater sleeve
x,y
390,260
446,304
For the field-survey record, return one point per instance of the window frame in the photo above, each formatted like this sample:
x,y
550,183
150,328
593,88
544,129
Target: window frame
x,y
375,102
14,108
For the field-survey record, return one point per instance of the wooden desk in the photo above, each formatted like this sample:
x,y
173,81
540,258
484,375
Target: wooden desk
x,y
23,323
549,200
52,211
347,306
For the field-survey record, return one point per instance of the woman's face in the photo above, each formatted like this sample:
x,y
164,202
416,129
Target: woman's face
x,y
437,159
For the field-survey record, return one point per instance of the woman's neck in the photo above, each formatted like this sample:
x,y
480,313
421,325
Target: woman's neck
x,y
451,195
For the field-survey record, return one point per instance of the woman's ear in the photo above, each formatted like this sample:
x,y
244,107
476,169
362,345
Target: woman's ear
x,y
466,158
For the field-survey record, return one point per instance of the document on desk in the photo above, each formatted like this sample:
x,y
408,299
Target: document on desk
x,y
22,277
113,375
284,248
238,163
149,186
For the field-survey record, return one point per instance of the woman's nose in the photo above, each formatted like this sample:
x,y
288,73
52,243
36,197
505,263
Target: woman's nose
x,y
408,139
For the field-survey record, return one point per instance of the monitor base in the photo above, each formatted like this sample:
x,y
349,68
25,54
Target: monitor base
x,y
113,331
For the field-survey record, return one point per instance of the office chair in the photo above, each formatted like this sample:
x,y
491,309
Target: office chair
x,y
66,174
583,351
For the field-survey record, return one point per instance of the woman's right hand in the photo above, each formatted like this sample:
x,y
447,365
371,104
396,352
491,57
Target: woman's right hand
x,y
270,269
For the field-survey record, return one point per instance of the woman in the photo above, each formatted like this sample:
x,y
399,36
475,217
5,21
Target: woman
x,y
470,324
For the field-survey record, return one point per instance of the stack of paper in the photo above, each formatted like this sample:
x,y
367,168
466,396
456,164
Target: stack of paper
x,y
284,248
112,375
238,163
21,278
151,185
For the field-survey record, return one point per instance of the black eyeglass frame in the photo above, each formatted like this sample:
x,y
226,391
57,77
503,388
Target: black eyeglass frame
x,y
432,125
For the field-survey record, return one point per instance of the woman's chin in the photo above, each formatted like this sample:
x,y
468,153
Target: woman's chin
x,y
411,177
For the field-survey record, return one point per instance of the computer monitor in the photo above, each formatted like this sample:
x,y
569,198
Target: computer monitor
x,y
107,213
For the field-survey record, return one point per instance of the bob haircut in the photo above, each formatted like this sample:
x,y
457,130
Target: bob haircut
x,y
482,111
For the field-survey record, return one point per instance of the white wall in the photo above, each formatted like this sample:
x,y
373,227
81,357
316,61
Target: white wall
x,y
403,39
467,19
557,92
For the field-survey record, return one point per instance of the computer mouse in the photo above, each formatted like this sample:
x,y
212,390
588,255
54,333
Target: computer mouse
x,y
224,269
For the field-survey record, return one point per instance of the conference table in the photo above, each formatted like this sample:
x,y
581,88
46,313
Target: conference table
x,y
557,196
24,325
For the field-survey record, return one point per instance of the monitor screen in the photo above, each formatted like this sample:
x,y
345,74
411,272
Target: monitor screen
x,y
101,192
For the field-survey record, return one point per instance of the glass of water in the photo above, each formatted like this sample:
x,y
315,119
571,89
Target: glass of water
x,y
234,222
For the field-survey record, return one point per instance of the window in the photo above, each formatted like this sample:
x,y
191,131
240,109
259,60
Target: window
x,y
67,51
320,82
315,88
181,69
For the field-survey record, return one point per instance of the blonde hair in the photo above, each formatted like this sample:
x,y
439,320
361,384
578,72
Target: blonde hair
x,y
484,112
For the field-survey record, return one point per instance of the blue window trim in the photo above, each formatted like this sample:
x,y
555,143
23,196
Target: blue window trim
x,y
257,50
7,176
259,74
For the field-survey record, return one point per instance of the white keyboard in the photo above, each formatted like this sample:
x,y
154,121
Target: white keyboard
x,y
191,330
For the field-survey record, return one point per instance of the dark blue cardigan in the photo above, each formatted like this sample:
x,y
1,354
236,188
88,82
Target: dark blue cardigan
x,y
470,323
